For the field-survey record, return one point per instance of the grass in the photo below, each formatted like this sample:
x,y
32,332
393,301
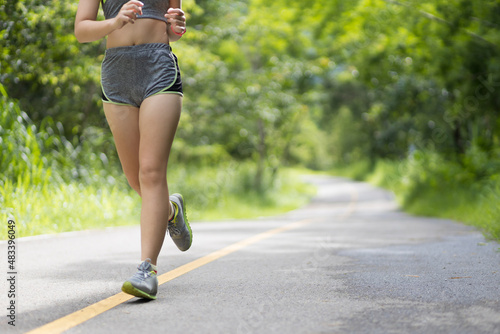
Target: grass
x,y
473,206
290,194
427,185
213,194
66,207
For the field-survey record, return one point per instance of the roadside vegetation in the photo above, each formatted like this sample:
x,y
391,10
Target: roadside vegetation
x,y
427,185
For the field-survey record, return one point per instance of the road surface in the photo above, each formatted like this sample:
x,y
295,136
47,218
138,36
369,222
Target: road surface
x,y
348,262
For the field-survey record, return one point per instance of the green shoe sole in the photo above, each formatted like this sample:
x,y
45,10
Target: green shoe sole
x,y
127,287
186,219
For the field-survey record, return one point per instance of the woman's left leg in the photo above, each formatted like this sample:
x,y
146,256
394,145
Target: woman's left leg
x,y
158,119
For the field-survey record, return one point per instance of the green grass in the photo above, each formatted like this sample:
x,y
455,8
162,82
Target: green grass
x,y
427,185
356,171
290,194
212,194
468,204
66,207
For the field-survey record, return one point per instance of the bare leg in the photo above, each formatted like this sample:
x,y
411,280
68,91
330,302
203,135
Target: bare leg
x,y
124,124
143,140
158,119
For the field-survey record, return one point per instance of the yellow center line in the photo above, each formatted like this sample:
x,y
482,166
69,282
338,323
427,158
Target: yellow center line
x,y
71,320
352,204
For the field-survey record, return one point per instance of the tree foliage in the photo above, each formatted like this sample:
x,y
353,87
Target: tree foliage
x,y
427,71
276,83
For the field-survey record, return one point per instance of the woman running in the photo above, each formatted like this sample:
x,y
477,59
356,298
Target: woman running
x,y
142,95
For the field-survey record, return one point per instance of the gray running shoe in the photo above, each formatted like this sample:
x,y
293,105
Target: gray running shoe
x,y
179,228
144,283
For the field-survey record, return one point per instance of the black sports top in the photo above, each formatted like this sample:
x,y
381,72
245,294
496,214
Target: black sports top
x,y
152,9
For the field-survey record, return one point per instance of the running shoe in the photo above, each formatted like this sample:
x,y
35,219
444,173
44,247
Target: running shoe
x,y
178,227
144,284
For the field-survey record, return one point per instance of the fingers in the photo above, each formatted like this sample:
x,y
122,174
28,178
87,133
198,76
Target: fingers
x,y
177,20
132,9
136,5
129,11
175,11
135,2
176,14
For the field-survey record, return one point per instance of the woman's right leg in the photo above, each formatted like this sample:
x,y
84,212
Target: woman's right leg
x,y
124,124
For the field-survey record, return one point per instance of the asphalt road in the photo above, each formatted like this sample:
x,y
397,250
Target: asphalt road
x,y
354,264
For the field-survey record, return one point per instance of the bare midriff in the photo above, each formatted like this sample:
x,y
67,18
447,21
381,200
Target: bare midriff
x,y
143,31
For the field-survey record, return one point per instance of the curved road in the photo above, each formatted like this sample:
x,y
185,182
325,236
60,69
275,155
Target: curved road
x,y
348,262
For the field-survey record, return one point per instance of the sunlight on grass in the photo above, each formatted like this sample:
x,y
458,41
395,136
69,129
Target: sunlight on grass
x,y
212,194
430,186
68,207
291,194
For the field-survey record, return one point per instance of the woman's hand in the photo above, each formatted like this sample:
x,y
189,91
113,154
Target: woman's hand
x,y
177,20
128,13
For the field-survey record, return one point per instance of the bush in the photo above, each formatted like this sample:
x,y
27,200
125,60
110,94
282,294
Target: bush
x,y
427,184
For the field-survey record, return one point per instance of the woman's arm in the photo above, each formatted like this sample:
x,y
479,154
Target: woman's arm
x,y
87,29
176,21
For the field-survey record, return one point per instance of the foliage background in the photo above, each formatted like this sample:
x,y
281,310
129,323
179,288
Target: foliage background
x,y
402,93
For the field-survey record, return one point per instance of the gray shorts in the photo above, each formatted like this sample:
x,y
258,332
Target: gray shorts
x,y
130,74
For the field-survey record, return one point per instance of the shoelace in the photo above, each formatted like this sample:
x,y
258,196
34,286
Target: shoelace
x,y
143,273
173,229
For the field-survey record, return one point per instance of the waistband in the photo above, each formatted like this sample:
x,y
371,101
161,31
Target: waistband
x,y
137,48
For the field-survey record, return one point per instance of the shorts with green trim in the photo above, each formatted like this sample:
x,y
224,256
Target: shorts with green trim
x,y
130,74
